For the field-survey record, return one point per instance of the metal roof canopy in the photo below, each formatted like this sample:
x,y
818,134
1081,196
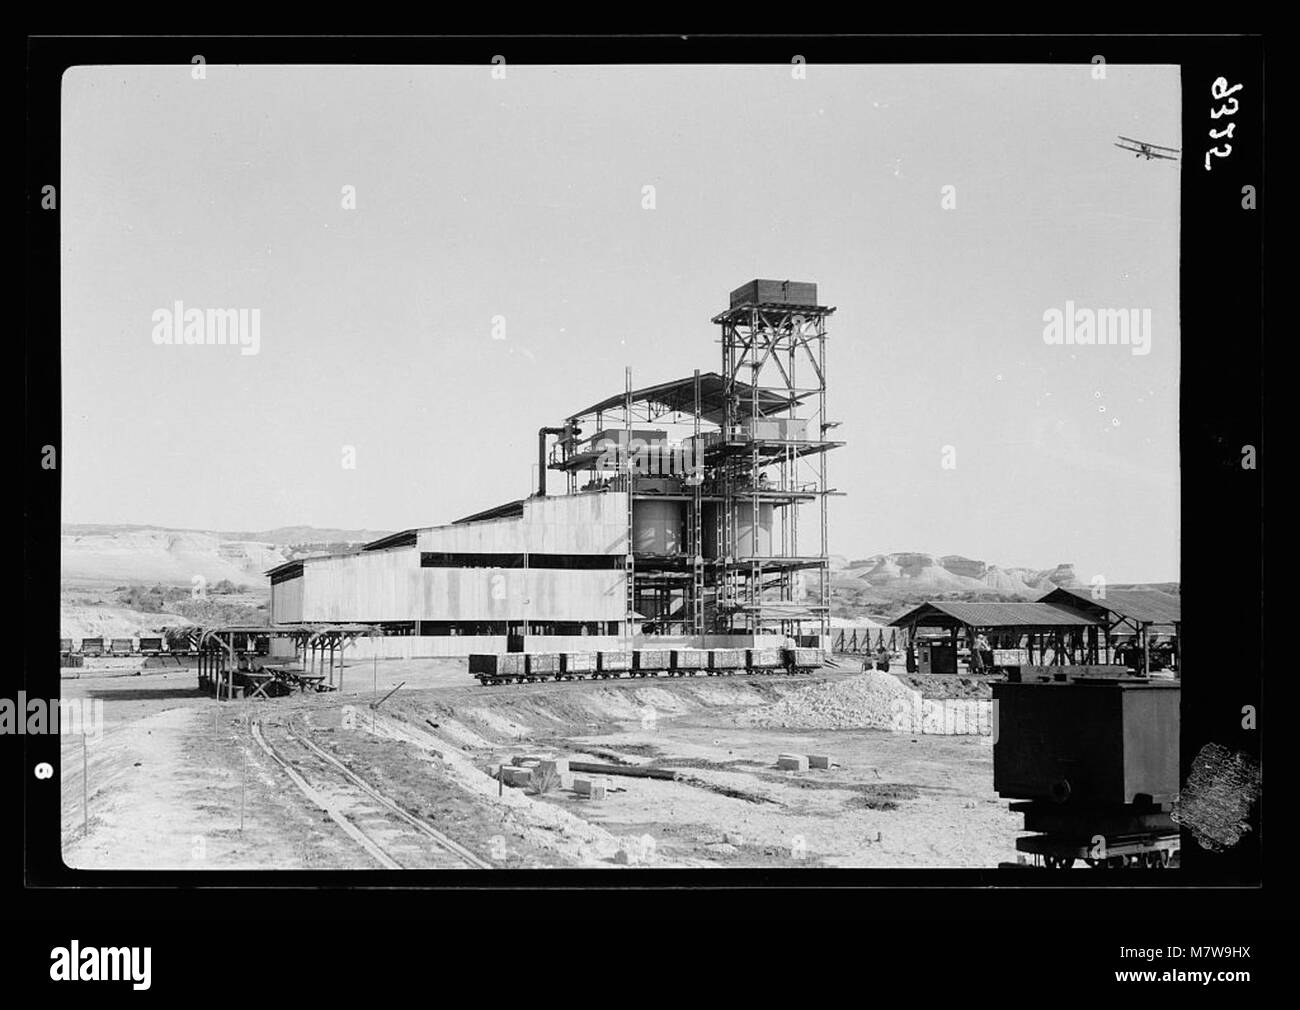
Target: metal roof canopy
x,y
285,630
679,396
510,510
1033,616
1137,606
216,644
403,538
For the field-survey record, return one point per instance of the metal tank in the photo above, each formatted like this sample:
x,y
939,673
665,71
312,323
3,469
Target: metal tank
x,y
659,527
753,539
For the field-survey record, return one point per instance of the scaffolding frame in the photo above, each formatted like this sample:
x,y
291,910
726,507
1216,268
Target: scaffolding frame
x,y
768,349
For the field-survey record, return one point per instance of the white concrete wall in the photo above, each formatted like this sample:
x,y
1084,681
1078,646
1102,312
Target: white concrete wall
x,y
369,586
513,594
432,646
492,536
710,642
565,524
390,585
577,524
573,643
424,646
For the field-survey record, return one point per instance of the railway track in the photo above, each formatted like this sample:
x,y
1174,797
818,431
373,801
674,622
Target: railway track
x,y
393,837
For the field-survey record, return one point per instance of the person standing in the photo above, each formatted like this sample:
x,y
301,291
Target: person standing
x,y
882,659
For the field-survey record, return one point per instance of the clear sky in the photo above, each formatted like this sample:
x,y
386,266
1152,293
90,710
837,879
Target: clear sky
x,y
522,198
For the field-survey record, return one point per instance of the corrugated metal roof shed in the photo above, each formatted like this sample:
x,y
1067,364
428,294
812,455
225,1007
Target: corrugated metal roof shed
x,y
1147,606
947,613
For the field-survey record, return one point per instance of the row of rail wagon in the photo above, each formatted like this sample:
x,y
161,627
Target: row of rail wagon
x,y
152,646
533,667
116,647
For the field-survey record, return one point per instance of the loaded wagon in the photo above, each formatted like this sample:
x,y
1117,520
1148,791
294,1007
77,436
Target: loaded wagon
x,y
517,667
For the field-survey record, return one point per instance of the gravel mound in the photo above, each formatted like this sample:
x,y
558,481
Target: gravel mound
x,y
872,700
944,686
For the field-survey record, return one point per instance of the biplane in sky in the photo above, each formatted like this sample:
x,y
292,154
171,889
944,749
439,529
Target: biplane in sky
x,y
1141,149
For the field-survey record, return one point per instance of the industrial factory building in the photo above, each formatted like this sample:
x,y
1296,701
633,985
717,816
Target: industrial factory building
x,y
679,522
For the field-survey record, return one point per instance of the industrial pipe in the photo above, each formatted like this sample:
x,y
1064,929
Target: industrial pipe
x,y
541,456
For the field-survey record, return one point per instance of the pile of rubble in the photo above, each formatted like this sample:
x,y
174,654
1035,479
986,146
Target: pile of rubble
x,y
872,700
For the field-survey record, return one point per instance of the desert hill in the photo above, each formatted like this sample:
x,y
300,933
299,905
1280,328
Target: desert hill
x,y
97,554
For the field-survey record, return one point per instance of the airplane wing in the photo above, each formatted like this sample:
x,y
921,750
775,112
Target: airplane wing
x,y
1166,157
1143,143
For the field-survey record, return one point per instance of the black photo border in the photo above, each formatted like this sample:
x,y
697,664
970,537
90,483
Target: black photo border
x,y
1222,328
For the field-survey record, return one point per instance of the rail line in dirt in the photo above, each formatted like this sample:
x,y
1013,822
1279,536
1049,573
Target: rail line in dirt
x,y
394,838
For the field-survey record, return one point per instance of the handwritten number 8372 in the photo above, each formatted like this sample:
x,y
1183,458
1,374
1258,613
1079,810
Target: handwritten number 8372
x,y
1220,91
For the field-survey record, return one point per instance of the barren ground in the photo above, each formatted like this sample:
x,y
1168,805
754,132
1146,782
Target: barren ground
x,y
174,770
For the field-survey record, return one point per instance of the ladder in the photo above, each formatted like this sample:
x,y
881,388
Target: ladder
x,y
629,559
693,540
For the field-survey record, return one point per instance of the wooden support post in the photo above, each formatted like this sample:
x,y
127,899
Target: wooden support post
x,y
243,783
85,788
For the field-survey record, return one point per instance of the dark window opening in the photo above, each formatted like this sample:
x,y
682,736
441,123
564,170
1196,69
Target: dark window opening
x,y
574,562
516,628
